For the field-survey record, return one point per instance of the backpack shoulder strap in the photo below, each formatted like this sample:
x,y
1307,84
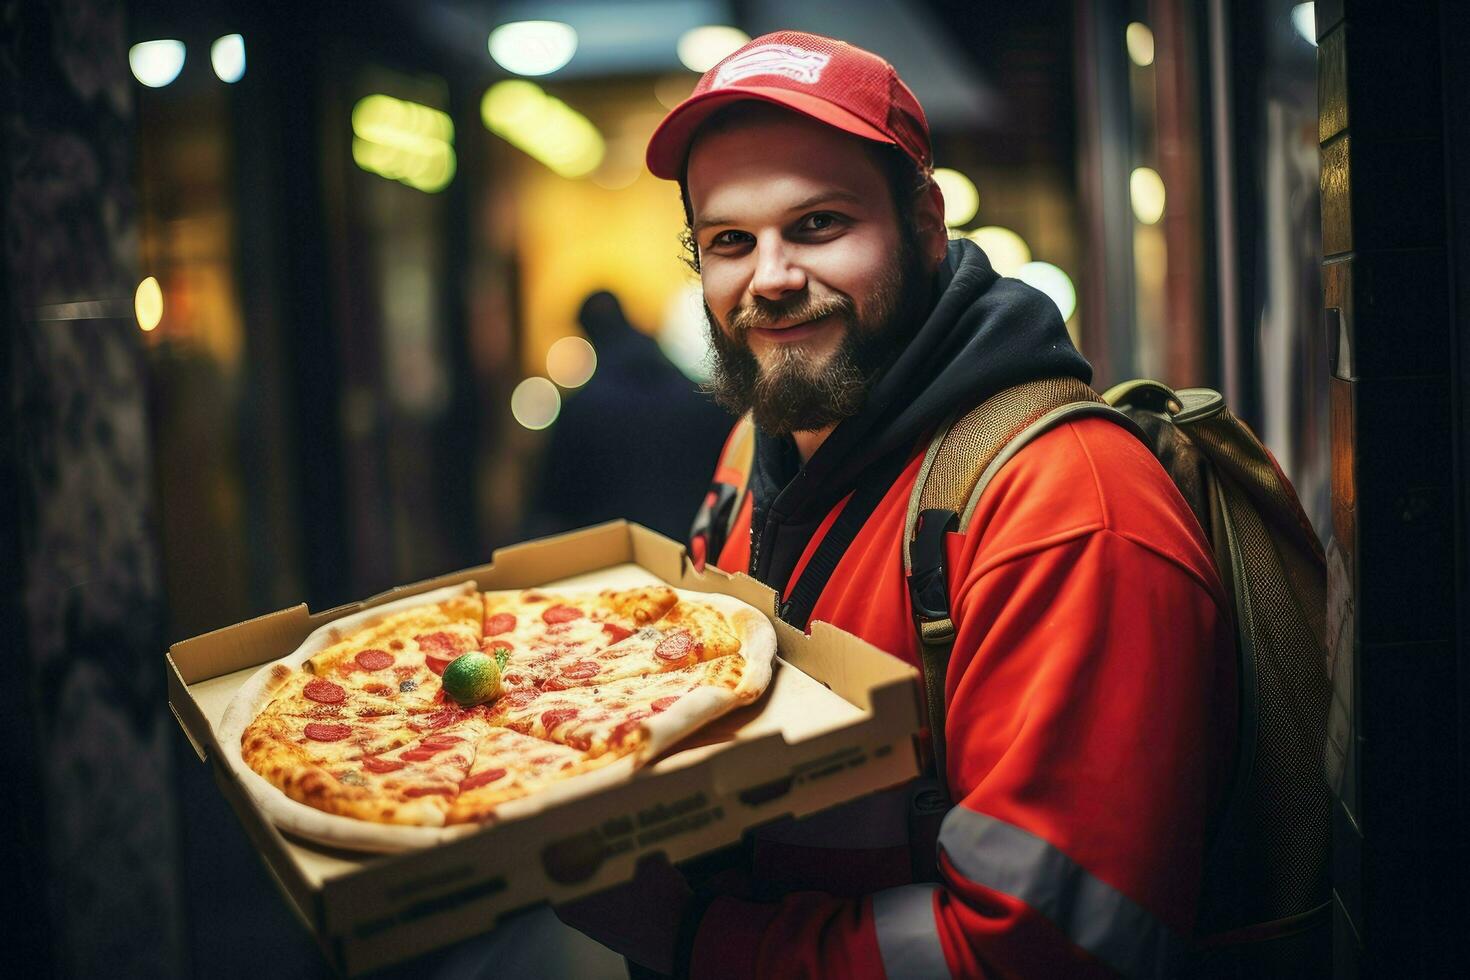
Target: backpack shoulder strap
x,y
963,457
721,508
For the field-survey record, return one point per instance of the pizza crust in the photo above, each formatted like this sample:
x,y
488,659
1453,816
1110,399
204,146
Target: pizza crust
x,y
663,730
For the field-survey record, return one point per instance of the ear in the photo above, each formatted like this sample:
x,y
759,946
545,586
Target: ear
x,y
929,223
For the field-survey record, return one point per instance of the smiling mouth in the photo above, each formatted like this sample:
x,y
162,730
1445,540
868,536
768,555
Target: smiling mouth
x,y
793,333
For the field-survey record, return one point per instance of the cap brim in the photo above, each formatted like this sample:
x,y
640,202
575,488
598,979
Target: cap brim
x,y
668,148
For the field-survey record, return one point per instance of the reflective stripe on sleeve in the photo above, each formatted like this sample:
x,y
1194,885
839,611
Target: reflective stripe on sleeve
x,y
1093,914
908,936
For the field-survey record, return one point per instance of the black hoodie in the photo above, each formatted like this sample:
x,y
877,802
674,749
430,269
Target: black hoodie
x,y
984,334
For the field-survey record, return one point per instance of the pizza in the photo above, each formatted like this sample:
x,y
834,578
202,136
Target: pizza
x,y
357,738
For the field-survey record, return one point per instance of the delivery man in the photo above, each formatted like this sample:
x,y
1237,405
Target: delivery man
x,y
1091,705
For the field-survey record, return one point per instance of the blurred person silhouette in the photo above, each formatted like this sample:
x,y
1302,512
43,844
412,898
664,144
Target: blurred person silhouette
x,y
638,441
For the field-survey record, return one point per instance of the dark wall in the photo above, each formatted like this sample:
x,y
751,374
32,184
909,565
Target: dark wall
x,y
88,784
1393,129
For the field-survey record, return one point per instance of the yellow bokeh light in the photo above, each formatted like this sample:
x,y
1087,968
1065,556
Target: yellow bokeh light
x,y
961,199
404,141
571,362
543,127
535,403
1006,250
701,48
1140,41
1146,190
148,304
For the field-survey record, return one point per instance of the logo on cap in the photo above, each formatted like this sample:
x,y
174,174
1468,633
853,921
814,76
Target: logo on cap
x,y
794,63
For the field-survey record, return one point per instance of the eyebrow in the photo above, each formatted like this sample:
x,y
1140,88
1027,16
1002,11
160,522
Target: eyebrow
x,y
821,197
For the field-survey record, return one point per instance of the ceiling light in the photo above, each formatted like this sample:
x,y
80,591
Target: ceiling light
x,y
533,47
227,56
1304,19
156,63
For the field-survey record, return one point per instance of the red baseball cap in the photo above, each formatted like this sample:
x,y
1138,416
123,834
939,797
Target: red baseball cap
x,y
828,80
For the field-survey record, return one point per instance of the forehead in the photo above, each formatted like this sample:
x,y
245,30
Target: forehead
x,y
767,156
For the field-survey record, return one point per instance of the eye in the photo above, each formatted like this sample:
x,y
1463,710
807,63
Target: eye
x,y
730,239
819,221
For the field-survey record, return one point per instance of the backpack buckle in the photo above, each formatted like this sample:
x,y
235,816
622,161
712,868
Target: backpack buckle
x,y
928,582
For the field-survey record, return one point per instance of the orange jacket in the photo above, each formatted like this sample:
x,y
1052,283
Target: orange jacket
x,y
1090,730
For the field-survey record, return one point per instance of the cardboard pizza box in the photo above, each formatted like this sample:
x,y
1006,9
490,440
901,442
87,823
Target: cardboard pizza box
x,y
837,722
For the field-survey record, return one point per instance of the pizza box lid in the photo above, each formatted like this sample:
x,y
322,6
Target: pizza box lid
x,y
837,722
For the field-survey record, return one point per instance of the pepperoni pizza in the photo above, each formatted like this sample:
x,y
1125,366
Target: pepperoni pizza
x,y
353,740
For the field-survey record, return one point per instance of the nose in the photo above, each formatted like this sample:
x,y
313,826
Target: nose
x,y
776,275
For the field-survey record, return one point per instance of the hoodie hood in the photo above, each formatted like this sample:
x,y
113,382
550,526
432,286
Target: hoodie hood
x,y
984,334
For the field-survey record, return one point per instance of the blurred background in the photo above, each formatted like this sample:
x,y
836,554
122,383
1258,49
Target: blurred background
x,y
321,298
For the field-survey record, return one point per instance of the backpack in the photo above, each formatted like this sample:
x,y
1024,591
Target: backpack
x,y
1264,909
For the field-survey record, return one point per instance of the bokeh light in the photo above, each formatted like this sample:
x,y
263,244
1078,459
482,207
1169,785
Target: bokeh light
x,y
227,57
1006,250
961,199
543,126
1140,41
1054,282
702,48
533,47
156,63
404,141
1146,190
570,362
670,90
1304,19
535,403
148,304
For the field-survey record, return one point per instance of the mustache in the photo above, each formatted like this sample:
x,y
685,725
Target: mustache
x,y
766,313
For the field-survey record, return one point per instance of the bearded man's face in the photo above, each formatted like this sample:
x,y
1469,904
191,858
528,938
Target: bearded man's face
x,y
812,283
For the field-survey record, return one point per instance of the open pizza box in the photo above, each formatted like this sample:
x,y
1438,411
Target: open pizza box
x,y
837,722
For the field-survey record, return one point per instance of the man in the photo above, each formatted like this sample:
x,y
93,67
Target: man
x,y
1091,689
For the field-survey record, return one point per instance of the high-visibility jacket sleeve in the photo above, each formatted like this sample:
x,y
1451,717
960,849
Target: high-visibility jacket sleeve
x,y
1091,712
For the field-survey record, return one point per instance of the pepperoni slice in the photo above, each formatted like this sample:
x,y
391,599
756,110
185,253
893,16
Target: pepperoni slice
x,y
675,646
382,690
560,614
627,727
500,623
441,644
439,741
436,665
320,731
615,633
373,764
664,704
581,670
481,779
420,755
374,659
413,791
438,719
519,699
324,692
492,647
550,719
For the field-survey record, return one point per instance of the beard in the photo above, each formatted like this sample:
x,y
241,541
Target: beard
x,y
797,390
